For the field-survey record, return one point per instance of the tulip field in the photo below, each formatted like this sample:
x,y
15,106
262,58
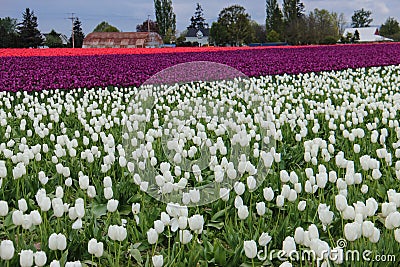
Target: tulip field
x,y
271,156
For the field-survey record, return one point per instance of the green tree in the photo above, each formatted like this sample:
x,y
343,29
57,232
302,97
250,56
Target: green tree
x,y
29,34
273,36
390,28
340,21
258,31
165,17
169,37
293,10
218,34
198,21
274,18
234,26
53,40
104,26
294,21
144,27
78,34
321,24
8,32
361,18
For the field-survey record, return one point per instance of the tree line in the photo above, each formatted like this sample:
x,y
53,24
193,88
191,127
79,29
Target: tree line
x,y
27,35
283,23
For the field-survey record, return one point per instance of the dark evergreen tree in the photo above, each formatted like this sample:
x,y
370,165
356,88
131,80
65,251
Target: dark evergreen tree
x,y
29,34
198,21
356,36
78,34
165,17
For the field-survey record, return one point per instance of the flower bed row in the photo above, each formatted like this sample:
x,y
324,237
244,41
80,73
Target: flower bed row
x,y
118,51
38,73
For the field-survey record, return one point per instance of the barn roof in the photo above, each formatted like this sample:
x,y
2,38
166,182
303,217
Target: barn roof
x,y
367,34
192,32
122,39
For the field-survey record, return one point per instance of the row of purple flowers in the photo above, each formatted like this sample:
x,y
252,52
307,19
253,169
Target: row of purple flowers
x,y
38,73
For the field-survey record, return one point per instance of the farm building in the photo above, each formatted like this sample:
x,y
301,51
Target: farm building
x,y
200,36
122,40
367,34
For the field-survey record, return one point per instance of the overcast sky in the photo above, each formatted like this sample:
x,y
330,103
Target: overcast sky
x,y
126,14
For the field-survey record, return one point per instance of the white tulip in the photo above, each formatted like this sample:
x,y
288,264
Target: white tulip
x,y
159,226
250,249
280,200
243,212
340,202
264,239
288,245
352,231
36,217
157,260
7,250
55,263
268,193
40,258
299,235
260,207
302,205
17,217
224,194
83,182
152,236
196,223
194,195
26,258
397,235
22,205
251,183
135,208
367,229
108,193
185,236
112,205
239,188
91,191
3,208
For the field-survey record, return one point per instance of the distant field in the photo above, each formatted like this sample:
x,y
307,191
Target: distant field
x,y
38,69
